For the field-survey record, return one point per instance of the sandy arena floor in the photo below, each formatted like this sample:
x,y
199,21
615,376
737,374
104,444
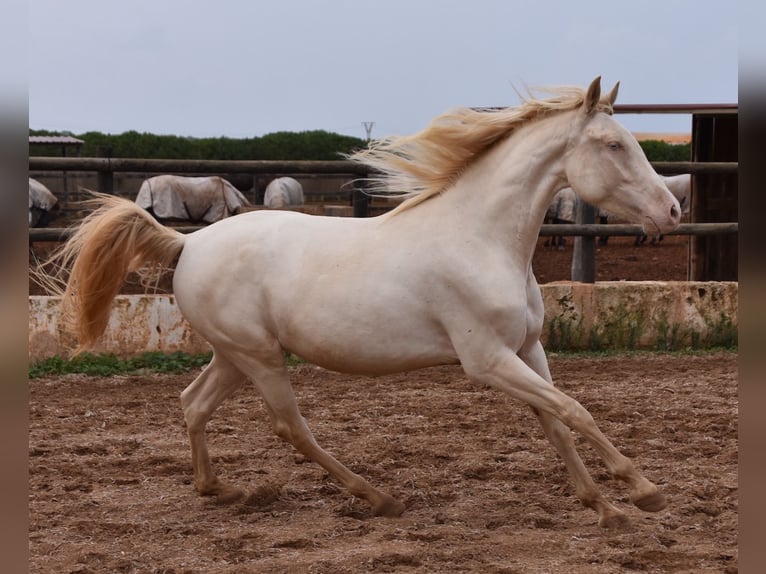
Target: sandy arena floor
x,y
110,475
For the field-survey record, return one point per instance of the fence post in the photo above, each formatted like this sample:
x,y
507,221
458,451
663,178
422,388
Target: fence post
x,y
258,191
360,200
104,179
584,252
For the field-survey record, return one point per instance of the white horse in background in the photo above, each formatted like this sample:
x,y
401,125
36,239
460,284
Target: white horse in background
x,y
42,204
445,278
563,208
283,192
681,187
194,199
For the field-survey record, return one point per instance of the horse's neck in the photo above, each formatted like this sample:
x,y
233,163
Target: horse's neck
x,y
508,190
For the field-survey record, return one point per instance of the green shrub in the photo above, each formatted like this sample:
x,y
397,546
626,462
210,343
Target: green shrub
x,y
105,365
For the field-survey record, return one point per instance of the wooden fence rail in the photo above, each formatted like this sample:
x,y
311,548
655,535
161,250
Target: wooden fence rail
x,y
573,230
583,259
104,164
293,167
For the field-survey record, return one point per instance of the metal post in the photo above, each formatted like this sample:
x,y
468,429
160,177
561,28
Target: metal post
x,y
105,179
258,191
360,200
584,253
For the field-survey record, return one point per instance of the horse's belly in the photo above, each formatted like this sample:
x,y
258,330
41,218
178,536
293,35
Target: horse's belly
x,y
373,358
388,344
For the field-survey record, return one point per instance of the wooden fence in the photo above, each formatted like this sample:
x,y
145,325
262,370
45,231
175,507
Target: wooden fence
x,y
585,228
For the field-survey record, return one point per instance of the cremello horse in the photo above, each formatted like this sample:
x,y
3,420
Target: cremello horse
x,y
283,192
451,280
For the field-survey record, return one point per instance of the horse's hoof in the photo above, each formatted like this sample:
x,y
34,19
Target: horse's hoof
x,y
388,507
223,494
653,502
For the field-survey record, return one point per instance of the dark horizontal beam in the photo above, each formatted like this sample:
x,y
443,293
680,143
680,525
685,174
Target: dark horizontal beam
x,y
675,167
307,167
103,164
62,234
628,229
676,108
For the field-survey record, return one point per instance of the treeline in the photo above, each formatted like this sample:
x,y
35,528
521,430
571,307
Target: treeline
x,y
308,145
657,150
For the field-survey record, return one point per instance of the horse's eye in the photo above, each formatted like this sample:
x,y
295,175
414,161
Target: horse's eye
x,y
614,146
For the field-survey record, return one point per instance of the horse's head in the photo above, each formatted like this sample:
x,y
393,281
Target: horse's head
x,y
607,168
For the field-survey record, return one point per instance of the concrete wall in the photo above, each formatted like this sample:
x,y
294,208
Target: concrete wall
x,y
661,315
627,315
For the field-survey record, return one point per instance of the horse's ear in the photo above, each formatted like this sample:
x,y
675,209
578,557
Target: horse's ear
x,y
611,97
593,95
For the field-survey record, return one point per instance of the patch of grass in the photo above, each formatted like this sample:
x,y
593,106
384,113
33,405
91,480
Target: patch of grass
x,y
105,365
722,332
293,360
604,353
621,333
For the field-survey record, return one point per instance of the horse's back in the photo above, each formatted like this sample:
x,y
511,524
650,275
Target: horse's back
x,y
260,244
249,248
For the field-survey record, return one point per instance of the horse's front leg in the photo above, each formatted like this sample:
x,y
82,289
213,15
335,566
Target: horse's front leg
x,y
218,381
609,516
506,371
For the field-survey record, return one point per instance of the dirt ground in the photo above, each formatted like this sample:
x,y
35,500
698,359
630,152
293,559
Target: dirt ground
x,y
619,260
110,475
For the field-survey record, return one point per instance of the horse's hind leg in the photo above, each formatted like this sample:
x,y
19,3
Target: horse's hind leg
x,y
560,437
512,375
217,382
272,381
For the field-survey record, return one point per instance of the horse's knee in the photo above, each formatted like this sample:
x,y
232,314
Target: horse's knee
x,y
574,416
293,431
559,433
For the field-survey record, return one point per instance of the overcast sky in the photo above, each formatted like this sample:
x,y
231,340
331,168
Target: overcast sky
x,y
243,68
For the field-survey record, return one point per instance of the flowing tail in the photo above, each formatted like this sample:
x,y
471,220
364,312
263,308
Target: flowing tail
x,y
116,238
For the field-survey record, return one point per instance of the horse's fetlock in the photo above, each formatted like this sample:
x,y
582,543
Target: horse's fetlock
x,y
624,470
282,430
588,497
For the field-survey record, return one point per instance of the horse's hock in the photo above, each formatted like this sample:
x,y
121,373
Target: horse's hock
x,y
655,315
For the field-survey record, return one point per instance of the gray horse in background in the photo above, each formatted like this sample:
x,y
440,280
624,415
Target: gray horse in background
x,y
283,192
194,199
43,205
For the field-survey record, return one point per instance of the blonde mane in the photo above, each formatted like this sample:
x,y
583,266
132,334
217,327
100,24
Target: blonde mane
x,y
423,165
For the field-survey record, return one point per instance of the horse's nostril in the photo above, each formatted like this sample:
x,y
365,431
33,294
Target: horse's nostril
x,y
675,213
